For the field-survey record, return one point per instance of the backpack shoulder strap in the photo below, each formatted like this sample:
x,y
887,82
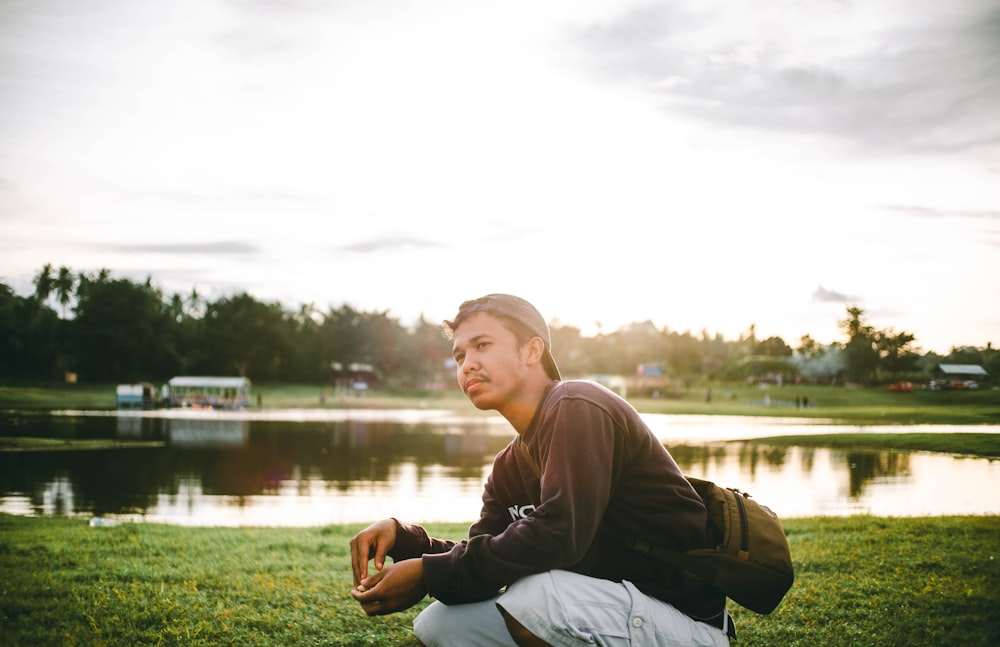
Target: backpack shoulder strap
x,y
670,556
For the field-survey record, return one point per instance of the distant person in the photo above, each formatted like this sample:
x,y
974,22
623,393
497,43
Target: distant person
x,y
541,565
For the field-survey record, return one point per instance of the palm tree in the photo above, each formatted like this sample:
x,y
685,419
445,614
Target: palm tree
x,y
44,283
64,284
84,281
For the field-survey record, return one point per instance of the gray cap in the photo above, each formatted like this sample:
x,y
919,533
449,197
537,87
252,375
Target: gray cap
x,y
507,305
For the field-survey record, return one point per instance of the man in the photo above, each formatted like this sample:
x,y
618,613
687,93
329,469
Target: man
x,y
545,563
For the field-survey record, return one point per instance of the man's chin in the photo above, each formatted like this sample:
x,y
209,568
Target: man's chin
x,y
481,402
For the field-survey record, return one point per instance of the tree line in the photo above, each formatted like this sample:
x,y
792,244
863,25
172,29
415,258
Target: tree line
x,y
108,329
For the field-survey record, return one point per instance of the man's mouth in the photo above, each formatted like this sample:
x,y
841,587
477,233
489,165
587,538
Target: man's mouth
x,y
473,385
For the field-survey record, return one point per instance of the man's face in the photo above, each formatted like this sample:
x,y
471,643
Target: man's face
x,y
491,368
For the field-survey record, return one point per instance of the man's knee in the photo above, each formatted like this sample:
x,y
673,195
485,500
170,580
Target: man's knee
x,y
477,623
426,627
521,636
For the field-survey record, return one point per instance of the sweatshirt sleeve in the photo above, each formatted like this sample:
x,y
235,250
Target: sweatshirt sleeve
x,y
413,541
574,442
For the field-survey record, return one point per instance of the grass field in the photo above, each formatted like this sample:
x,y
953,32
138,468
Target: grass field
x,y
859,581
839,404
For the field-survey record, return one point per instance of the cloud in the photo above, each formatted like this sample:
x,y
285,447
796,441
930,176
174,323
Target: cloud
x,y
923,80
927,212
386,243
261,31
270,197
822,295
218,248
987,221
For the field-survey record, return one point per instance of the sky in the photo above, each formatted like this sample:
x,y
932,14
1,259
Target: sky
x,y
706,165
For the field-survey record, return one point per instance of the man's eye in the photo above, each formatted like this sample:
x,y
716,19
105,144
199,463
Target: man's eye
x,y
481,345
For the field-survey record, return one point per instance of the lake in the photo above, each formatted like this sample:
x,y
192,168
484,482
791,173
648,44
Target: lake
x,y
329,466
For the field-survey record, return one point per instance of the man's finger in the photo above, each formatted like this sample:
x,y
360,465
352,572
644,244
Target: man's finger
x,y
360,551
380,551
371,603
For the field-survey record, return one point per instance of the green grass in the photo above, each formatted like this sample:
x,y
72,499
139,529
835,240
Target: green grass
x,y
859,581
839,404
972,444
58,396
23,443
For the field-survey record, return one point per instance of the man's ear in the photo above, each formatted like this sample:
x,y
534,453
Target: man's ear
x,y
536,348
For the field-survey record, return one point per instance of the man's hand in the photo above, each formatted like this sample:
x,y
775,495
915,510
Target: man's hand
x,y
375,541
397,587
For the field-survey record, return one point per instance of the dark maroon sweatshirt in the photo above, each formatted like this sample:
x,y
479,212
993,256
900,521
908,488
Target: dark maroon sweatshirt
x,y
603,475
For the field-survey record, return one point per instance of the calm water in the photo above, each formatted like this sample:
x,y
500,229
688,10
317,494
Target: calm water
x,y
314,467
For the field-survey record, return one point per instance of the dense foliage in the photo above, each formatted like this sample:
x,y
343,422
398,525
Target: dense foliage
x,y
106,329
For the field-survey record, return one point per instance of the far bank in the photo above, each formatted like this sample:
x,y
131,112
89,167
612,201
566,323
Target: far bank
x,y
848,405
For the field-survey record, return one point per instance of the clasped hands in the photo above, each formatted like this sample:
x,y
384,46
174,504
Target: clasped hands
x,y
391,588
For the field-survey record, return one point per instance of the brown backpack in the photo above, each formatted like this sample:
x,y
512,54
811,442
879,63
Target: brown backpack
x,y
750,562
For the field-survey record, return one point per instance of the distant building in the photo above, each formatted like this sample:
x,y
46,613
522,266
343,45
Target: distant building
x,y
958,376
961,371
135,396
208,392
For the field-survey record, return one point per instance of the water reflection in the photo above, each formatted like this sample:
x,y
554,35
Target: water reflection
x,y
238,471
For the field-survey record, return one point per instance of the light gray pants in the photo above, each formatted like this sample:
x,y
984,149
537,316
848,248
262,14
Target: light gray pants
x,y
564,608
